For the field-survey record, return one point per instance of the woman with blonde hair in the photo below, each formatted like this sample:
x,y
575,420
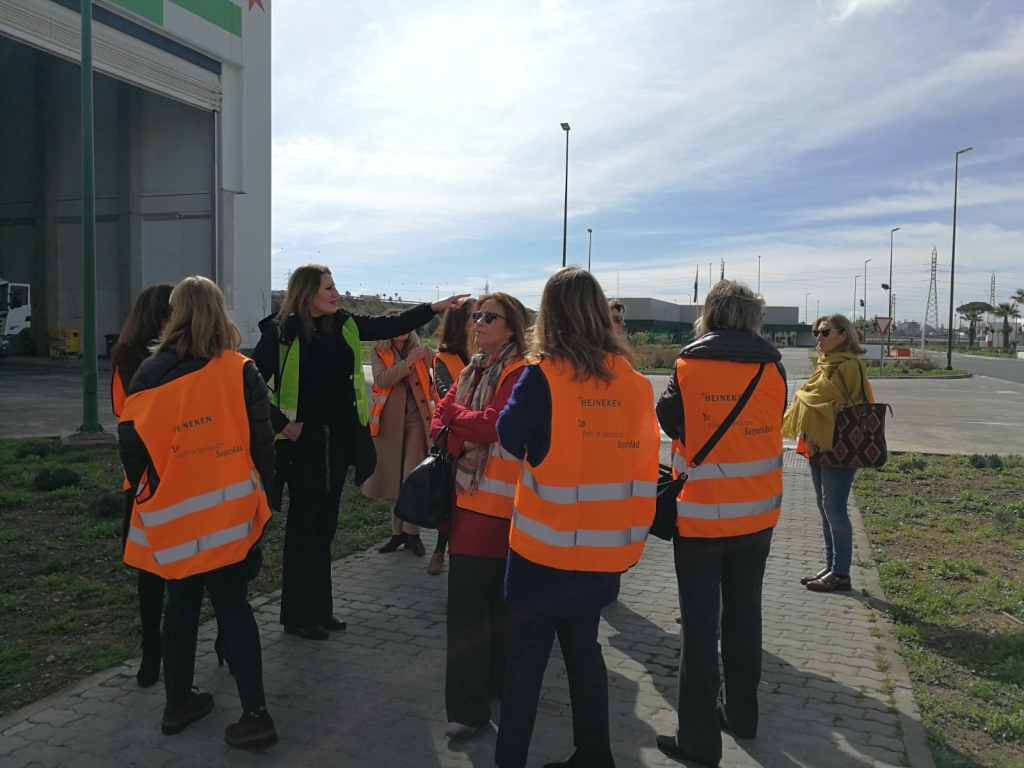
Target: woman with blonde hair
x,y
453,352
310,355
839,379
723,410
403,402
583,420
197,444
484,484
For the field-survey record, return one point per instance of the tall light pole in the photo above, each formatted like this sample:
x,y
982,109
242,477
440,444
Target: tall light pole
x,y
952,260
889,342
590,246
806,319
565,214
818,311
759,274
866,289
90,380
855,279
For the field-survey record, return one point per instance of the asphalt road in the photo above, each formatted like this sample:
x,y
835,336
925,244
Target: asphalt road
x,y
1007,369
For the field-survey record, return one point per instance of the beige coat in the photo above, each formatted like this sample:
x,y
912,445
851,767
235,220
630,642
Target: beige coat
x,y
395,458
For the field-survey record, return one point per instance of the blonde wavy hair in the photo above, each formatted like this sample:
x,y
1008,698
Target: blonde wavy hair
x,y
730,306
575,326
842,323
414,338
200,325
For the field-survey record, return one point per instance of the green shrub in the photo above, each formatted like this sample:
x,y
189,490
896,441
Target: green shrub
x,y
52,478
40,448
107,505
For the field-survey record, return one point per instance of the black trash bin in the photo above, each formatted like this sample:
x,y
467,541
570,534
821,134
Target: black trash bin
x,y
111,341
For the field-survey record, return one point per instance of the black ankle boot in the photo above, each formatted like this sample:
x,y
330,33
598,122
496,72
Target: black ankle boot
x,y
149,669
220,646
394,544
583,758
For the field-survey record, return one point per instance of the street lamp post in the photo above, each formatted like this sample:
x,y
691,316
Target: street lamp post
x,y
889,342
866,289
590,245
817,312
759,274
952,260
565,213
855,279
806,319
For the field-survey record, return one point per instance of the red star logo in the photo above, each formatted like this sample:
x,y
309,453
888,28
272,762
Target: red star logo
x,y
257,2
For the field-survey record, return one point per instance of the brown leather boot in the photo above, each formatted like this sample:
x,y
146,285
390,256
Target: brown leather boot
x,y
252,731
177,717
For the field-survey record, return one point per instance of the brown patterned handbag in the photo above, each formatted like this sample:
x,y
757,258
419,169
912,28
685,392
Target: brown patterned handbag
x,y
859,438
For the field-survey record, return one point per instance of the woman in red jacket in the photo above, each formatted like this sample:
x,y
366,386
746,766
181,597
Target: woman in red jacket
x,y
485,488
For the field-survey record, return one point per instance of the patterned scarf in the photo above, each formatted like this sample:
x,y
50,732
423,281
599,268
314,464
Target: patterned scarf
x,y
477,385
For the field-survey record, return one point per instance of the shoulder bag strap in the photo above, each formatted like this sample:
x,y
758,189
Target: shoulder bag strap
x,y
724,426
847,386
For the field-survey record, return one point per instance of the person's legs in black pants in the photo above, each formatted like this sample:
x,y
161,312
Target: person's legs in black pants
x,y
698,571
498,621
742,576
303,545
151,607
588,681
227,587
181,628
529,646
472,583
327,527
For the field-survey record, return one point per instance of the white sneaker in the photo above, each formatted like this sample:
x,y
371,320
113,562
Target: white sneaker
x,y
459,731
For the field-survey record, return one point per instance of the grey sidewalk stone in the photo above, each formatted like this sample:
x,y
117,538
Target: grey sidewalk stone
x,y
374,695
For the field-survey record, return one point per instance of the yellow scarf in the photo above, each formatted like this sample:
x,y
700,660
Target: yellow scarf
x,y
813,411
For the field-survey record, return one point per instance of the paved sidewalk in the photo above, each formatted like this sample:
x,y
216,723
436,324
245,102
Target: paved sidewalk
x,y
374,695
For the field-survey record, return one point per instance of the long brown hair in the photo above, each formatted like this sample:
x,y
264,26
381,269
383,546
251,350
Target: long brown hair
x,y
200,325
574,325
842,323
298,300
454,336
516,318
149,314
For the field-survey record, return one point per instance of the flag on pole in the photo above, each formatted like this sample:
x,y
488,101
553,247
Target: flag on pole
x,y
723,270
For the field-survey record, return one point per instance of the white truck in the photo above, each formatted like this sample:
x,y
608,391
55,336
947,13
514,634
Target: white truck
x,y
15,316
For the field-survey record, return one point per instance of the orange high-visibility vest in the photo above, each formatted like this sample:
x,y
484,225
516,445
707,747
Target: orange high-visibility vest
x,y
497,489
380,394
589,505
117,393
453,363
738,488
206,505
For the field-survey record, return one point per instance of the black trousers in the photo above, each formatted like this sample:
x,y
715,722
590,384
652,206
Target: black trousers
x,y
150,587
227,588
315,481
476,638
731,568
529,647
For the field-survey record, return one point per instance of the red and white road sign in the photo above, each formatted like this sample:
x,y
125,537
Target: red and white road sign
x,y
882,324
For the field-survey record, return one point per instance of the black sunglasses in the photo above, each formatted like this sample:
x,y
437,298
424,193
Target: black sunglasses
x,y
823,332
618,319
488,317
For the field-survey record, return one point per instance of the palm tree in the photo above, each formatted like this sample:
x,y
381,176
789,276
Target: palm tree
x,y
972,316
1006,310
1018,297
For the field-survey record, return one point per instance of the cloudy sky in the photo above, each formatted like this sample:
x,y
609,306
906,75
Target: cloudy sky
x,y
417,146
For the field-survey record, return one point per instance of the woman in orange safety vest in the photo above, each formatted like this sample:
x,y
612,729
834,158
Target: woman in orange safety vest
x,y
584,422
147,319
402,403
453,352
198,446
725,513
485,481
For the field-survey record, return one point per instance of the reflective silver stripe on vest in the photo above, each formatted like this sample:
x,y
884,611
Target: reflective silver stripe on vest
x,y
590,492
727,511
501,453
379,399
211,541
374,420
636,534
728,470
497,487
138,536
202,502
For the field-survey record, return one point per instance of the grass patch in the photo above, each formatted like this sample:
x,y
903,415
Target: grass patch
x,y
950,548
63,587
902,370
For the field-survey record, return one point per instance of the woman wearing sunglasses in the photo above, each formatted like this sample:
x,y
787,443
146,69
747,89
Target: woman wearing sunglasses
x,y
840,378
485,482
618,312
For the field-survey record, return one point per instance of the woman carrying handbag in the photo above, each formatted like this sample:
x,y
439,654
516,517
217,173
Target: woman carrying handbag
x,y
839,380
485,482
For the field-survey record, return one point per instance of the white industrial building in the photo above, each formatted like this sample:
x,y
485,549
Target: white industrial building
x,y
182,148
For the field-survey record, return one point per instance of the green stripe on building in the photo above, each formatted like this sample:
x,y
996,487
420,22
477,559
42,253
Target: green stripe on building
x,y
151,10
222,13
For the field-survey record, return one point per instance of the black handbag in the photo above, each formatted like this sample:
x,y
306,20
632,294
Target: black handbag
x,y
428,493
664,525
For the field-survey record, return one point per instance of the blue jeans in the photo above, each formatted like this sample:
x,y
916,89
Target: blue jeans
x,y
832,488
